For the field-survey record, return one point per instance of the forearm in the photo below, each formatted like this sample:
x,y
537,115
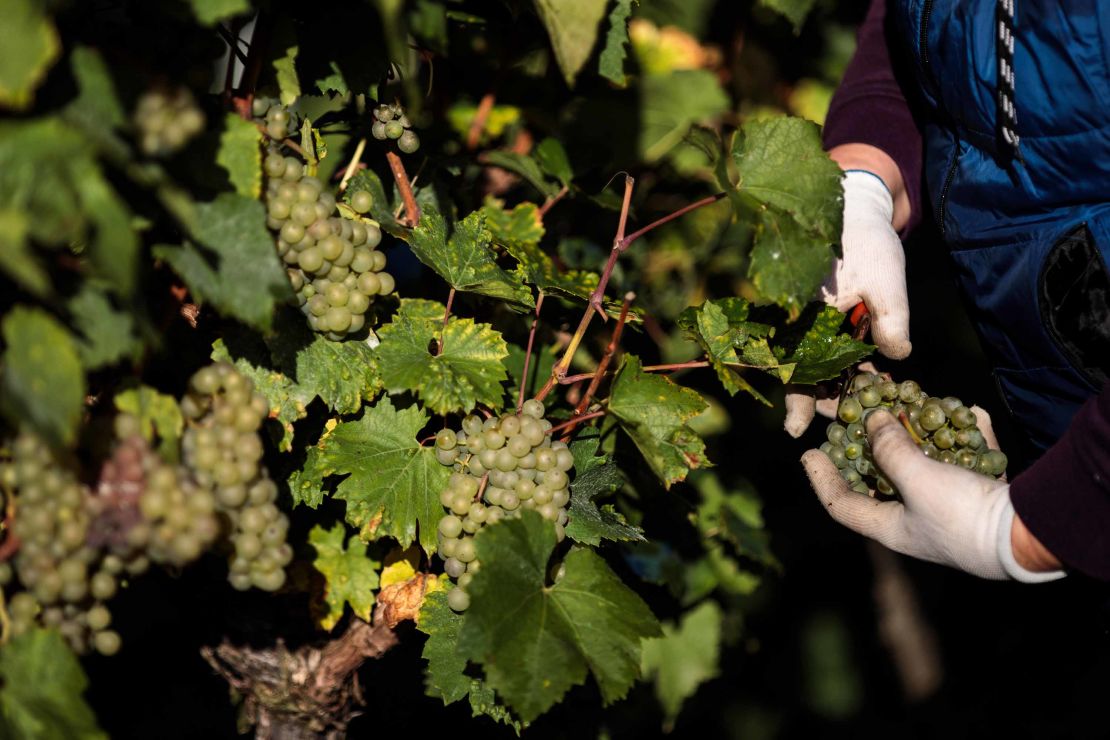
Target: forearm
x,y
875,160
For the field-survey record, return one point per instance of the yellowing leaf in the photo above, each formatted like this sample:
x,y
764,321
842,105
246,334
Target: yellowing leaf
x,y
350,576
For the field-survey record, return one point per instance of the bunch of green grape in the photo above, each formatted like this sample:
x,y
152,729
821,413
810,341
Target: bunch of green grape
x,y
166,120
275,117
65,580
944,428
333,262
223,449
522,469
146,508
390,122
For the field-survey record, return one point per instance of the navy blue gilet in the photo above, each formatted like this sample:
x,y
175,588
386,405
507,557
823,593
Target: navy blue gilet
x,y
1030,239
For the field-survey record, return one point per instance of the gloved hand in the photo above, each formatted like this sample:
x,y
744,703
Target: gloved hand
x,y
872,269
947,515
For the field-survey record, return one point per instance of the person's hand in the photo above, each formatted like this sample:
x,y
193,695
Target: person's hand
x,y
871,270
802,405
947,515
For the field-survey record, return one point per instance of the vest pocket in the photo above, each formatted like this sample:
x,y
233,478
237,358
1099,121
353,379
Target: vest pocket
x,y
1074,297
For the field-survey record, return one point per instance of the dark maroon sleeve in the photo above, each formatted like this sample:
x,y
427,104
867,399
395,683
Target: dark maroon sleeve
x,y
869,107
1064,497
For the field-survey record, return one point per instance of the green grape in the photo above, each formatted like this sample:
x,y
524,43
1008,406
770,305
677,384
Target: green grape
x,y
394,129
408,142
850,410
361,201
458,599
868,397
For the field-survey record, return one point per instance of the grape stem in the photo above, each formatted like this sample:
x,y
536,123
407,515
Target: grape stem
x,y
482,486
571,423
352,167
485,106
528,352
550,202
446,316
285,142
412,210
909,428
606,358
648,369
621,242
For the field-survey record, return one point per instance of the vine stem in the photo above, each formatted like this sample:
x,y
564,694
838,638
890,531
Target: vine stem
x,y
626,241
606,358
528,352
352,167
550,202
571,423
646,368
412,210
485,106
446,316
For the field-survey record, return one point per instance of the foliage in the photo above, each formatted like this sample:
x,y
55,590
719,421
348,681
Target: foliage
x,y
135,252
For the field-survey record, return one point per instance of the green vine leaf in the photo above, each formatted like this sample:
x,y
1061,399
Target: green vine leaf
x,y
573,26
734,516
243,277
241,156
391,483
594,476
350,575
685,657
719,328
822,351
671,104
41,376
553,161
525,166
654,412
42,690
465,260
537,641
785,171
468,372
108,334
794,11
30,46
611,62
159,417
342,374
97,103
445,676
211,12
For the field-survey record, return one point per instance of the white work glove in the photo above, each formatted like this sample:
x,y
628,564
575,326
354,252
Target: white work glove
x,y
948,514
871,270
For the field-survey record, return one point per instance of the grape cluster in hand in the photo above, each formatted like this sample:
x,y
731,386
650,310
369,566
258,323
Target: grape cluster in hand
x,y
65,579
390,122
166,120
944,428
333,262
522,468
223,449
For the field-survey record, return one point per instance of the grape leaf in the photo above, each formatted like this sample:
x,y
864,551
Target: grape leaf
x,y
670,104
210,12
159,417
30,46
445,675
241,155
653,411
465,260
468,371
41,690
16,257
391,483
285,72
42,379
794,11
686,656
108,334
590,525
719,335
536,641
343,374
734,516
350,575
246,279
523,165
288,400
552,159
573,26
96,103
822,352
611,62
788,263
783,165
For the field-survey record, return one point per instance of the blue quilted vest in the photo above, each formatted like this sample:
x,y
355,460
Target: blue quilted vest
x,y
1030,239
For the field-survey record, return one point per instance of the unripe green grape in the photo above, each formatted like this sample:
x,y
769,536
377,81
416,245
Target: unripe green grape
x,y
386,283
408,142
107,643
338,319
853,450
850,410
967,459
962,417
909,391
555,479
446,457
453,566
518,446
560,498
446,439
533,408
546,459
369,284
869,397
504,460
944,438
932,417
861,381
336,294
378,130
394,129
361,201
994,462
458,599
947,456
836,434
